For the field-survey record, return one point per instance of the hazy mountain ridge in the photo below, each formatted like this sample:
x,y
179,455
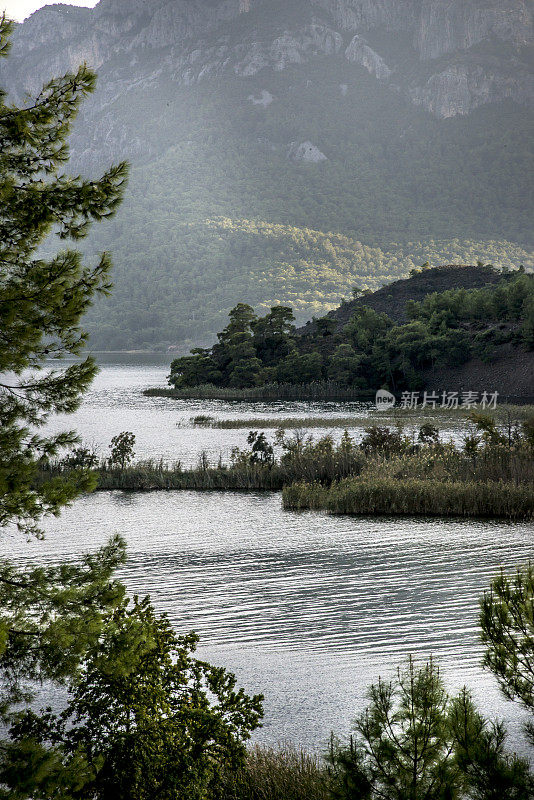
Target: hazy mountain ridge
x,y
310,120
196,42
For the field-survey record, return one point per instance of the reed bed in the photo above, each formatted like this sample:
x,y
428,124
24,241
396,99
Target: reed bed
x,y
141,478
445,463
492,475
390,497
357,420
318,391
318,461
284,773
284,423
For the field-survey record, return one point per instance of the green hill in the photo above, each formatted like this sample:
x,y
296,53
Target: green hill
x,y
452,329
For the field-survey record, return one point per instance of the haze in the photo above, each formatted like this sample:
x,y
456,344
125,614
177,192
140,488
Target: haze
x,y
20,9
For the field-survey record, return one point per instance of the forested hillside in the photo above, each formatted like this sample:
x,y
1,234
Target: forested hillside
x,y
403,338
273,162
224,215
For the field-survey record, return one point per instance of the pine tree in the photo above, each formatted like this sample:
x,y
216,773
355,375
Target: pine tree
x,y
414,742
48,616
41,302
507,628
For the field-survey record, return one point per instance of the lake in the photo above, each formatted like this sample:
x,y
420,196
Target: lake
x,y
304,607
163,427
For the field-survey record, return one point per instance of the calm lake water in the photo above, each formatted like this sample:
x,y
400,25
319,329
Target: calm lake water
x,y
306,608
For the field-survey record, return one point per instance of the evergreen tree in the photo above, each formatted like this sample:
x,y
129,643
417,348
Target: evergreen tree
x,y
145,720
194,370
273,335
344,366
414,742
48,616
507,626
300,368
41,302
234,353
404,742
488,770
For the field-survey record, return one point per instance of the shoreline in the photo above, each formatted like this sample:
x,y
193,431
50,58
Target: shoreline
x,y
351,496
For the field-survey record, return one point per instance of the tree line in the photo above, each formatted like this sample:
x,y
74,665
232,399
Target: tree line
x,y
445,328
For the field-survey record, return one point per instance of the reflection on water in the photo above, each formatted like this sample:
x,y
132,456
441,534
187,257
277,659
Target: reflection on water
x,y
304,607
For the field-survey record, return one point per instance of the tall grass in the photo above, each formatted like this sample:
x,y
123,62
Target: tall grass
x,y
285,773
445,462
386,473
318,391
303,459
284,423
146,477
387,496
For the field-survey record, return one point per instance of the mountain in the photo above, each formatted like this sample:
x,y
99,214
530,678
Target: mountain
x,y
283,152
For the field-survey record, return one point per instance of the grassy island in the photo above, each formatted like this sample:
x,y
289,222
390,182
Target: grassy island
x,y
491,474
390,497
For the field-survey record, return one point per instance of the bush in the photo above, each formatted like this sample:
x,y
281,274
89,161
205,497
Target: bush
x,y
278,774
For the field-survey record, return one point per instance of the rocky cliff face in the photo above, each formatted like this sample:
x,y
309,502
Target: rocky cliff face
x,y
459,54
444,27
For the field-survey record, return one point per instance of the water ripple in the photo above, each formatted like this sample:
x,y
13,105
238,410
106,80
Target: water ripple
x,y
305,607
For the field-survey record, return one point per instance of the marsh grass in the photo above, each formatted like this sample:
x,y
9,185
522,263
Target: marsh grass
x,y
390,497
446,463
394,417
283,773
284,423
435,480
304,459
492,475
320,391
146,478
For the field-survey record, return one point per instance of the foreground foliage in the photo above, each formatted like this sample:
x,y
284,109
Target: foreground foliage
x,y
145,719
283,773
41,302
507,626
49,616
414,742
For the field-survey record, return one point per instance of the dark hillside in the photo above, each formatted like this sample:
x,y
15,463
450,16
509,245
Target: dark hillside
x,y
392,298
510,373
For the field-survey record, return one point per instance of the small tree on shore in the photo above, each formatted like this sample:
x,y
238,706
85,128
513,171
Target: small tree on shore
x,y
122,449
